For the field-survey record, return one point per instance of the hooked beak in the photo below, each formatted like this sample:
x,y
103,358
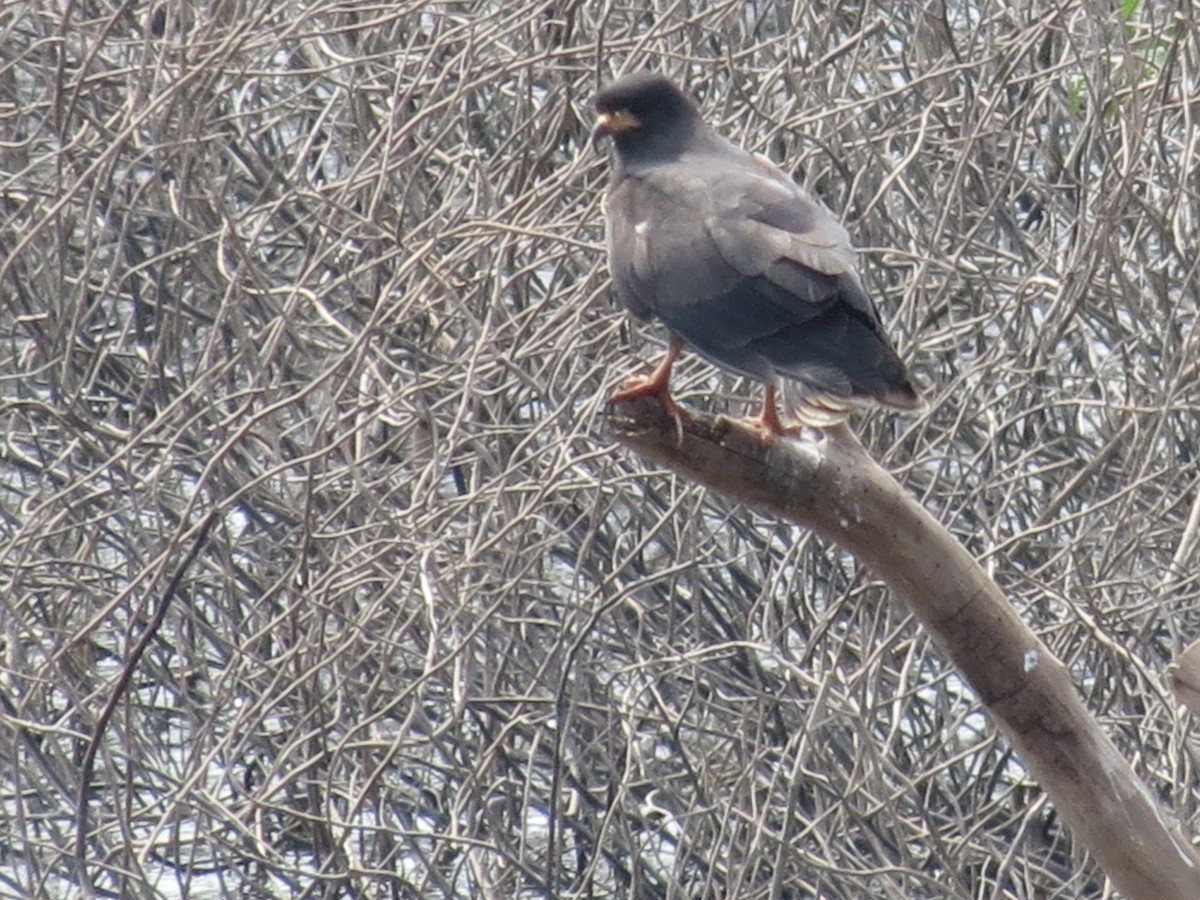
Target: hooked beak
x,y
615,122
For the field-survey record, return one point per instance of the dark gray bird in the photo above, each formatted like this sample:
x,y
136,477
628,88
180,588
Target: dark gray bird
x,y
738,261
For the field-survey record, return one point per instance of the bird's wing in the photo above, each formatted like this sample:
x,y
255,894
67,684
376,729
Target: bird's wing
x,y
686,234
766,225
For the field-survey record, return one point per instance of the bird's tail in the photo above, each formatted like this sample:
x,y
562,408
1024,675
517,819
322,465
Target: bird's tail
x,y
808,405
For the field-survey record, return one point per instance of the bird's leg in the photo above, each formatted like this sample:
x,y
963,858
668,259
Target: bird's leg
x,y
656,384
768,423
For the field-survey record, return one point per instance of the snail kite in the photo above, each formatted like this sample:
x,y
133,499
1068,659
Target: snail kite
x,y
738,261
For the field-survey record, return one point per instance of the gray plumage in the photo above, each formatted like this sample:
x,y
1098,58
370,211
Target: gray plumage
x,y
738,260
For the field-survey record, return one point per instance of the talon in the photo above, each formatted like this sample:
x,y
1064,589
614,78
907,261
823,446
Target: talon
x,y
656,384
767,424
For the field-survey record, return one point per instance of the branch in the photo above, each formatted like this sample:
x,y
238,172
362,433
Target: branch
x,y
87,765
837,490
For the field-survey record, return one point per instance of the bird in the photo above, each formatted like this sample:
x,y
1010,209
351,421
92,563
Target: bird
x,y
740,263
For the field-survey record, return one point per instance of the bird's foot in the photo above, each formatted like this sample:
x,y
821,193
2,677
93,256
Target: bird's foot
x,y
767,424
769,432
646,387
656,387
656,384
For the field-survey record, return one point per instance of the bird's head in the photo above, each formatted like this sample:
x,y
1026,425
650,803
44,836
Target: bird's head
x,y
646,116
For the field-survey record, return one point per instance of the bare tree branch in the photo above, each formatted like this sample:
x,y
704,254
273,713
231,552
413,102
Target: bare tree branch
x,y
834,487
119,688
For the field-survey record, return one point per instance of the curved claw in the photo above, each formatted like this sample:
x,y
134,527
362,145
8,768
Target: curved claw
x,y
768,424
648,386
657,383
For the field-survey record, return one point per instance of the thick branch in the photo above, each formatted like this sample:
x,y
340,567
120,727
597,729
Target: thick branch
x,y
836,489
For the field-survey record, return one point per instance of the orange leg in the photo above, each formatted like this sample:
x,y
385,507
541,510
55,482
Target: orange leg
x,y
656,384
768,420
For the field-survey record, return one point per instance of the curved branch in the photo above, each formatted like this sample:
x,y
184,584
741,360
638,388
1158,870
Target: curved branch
x,y
836,489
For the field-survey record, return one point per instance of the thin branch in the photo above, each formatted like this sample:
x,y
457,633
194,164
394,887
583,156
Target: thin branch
x,y
135,656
